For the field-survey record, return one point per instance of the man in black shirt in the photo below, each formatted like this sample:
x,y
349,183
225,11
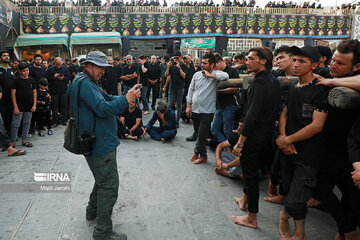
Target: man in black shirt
x,y
73,68
335,168
132,119
36,71
130,74
59,77
325,57
257,130
300,126
222,125
144,81
190,70
7,78
111,78
177,72
154,80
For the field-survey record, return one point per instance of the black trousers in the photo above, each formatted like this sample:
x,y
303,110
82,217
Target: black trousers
x,y
59,104
43,119
299,181
7,112
337,171
155,93
202,124
252,159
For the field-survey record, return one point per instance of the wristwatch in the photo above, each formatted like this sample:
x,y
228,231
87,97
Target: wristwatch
x,y
238,145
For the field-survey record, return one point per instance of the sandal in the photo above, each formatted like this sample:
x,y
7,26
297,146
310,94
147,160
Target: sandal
x,y
27,144
17,153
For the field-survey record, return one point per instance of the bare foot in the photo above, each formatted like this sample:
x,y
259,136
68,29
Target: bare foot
x,y
271,191
242,202
339,237
275,199
284,226
163,140
194,157
245,221
313,203
200,160
222,172
128,136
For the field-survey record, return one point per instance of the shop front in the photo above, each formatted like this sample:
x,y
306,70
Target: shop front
x,y
107,42
48,45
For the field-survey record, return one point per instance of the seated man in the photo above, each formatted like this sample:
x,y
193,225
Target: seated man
x,y
132,120
167,120
227,164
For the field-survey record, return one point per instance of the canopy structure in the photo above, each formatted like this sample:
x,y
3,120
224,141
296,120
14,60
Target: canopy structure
x,y
95,38
42,39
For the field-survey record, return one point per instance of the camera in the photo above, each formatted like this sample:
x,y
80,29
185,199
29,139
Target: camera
x,y
86,141
173,62
61,75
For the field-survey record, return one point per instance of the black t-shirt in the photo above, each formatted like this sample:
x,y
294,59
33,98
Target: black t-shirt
x,y
234,139
354,141
37,73
24,93
41,96
7,78
153,71
73,69
144,77
126,70
130,117
110,79
190,71
177,82
225,100
301,104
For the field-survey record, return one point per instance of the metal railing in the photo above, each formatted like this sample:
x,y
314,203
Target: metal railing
x,y
181,9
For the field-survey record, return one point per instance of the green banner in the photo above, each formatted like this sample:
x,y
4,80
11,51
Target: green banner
x,y
198,42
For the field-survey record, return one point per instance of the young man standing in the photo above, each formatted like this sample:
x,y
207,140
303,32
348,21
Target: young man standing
x,y
201,101
300,126
130,74
257,130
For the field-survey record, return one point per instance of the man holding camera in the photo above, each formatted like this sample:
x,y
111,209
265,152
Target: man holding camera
x,y
95,115
59,77
177,70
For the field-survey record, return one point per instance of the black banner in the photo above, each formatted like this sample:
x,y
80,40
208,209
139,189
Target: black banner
x,y
9,20
185,24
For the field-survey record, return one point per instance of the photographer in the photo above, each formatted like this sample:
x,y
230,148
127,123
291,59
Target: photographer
x,y
95,114
59,77
177,71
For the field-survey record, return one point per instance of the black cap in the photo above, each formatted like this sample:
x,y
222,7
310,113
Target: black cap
x,y
142,57
306,51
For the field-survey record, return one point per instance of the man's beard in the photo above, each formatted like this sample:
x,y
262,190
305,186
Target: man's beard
x,y
5,61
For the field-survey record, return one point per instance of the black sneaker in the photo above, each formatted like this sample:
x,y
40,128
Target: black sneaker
x,y
41,134
117,236
50,132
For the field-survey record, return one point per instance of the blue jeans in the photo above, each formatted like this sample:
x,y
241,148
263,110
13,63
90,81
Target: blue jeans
x,y
26,119
223,123
227,158
126,89
176,94
157,133
143,98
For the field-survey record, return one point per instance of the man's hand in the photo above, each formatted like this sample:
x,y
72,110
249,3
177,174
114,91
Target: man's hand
x,y
164,89
160,114
133,93
206,73
16,111
61,77
33,109
178,65
282,142
56,75
356,177
218,163
144,133
326,82
188,111
169,64
289,150
237,150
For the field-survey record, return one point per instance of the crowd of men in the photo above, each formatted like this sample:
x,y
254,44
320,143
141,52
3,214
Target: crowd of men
x,y
305,145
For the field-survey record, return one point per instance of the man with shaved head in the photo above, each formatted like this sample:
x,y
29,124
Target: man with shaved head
x,y
59,77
